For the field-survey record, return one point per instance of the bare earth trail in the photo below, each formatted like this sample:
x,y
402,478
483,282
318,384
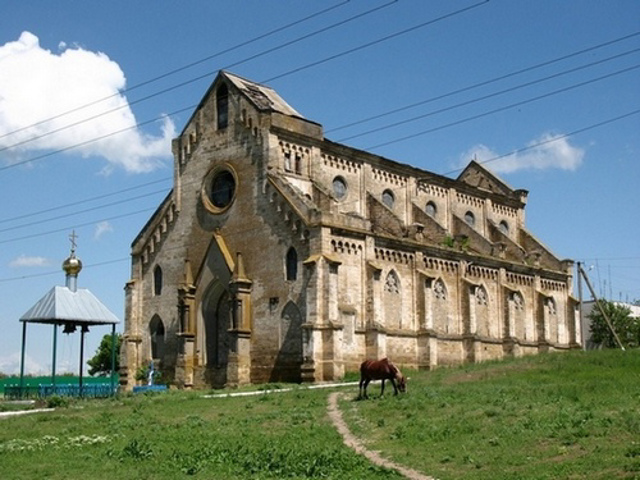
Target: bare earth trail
x,y
352,442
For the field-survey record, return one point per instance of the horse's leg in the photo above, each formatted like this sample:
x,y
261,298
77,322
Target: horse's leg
x,y
366,384
395,387
382,388
360,387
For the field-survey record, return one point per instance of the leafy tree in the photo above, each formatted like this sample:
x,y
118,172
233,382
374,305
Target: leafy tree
x,y
626,326
100,364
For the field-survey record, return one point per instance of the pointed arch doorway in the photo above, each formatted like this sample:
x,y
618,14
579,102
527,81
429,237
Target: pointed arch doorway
x,y
217,341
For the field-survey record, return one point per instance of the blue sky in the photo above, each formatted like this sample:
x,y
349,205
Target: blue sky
x,y
546,91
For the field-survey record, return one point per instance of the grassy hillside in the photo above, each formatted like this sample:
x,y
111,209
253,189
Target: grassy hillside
x,y
554,416
558,416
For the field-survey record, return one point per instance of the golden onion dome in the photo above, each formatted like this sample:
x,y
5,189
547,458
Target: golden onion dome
x,y
72,265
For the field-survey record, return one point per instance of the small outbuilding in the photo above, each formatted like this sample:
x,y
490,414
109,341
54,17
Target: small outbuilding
x,y
73,309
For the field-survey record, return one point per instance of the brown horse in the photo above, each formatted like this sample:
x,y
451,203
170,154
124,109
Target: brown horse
x,y
381,370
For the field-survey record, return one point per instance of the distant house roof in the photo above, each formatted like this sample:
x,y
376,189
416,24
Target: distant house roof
x,y
61,305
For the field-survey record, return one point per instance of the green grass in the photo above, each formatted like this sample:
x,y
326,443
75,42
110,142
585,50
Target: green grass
x,y
559,416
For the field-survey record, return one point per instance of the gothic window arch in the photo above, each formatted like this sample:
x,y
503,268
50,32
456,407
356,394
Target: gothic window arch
x,y
339,187
518,301
292,264
551,305
481,296
439,290
388,198
392,283
157,280
504,227
470,218
431,209
156,334
222,106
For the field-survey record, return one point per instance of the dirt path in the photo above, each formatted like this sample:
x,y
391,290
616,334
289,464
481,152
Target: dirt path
x,y
352,442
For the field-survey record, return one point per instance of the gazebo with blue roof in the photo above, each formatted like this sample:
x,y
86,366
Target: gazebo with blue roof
x,y
72,308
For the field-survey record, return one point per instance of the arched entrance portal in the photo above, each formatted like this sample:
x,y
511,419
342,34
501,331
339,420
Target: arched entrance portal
x,y
216,316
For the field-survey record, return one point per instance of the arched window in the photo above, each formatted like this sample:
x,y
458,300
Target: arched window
x,y
431,209
339,188
392,283
504,227
470,218
156,333
157,280
222,106
439,290
292,264
388,198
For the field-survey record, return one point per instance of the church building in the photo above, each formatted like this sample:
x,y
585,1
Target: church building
x,y
280,255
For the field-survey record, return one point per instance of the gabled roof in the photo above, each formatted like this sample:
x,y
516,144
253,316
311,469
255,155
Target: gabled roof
x,y
480,177
262,96
60,304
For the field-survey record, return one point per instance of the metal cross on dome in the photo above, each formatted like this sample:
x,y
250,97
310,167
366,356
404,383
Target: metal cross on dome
x,y
73,237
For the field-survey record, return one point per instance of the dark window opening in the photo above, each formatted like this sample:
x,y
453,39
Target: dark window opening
x,y
223,188
222,106
157,280
292,264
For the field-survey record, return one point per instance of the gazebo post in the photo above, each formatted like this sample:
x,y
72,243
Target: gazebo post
x,y
113,358
24,342
81,357
53,360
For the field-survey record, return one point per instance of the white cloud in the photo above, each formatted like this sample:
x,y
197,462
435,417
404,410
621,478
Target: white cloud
x,y
101,229
10,365
546,152
26,261
36,84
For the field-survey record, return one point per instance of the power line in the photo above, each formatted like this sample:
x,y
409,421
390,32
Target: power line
x,y
490,95
333,57
83,200
190,81
179,69
486,82
501,109
555,139
376,42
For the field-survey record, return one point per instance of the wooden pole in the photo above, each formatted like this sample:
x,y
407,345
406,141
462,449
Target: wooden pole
x,y
604,314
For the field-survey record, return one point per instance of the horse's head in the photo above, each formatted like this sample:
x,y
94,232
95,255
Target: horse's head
x,y
401,381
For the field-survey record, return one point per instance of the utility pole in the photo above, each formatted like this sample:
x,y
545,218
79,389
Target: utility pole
x,y
597,301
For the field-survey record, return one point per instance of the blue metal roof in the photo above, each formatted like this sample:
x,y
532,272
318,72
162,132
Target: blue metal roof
x,y
62,305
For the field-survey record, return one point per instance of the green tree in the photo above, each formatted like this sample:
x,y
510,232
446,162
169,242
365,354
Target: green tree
x,y
100,364
626,326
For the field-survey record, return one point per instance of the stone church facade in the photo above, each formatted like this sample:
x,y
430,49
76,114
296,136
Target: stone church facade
x,y
280,255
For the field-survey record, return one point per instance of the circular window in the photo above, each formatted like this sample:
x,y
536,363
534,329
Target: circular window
x,y
219,189
431,209
339,188
470,218
388,199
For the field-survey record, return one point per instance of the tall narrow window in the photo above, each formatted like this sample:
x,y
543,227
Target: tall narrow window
x,y
222,106
156,332
388,198
157,280
292,264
